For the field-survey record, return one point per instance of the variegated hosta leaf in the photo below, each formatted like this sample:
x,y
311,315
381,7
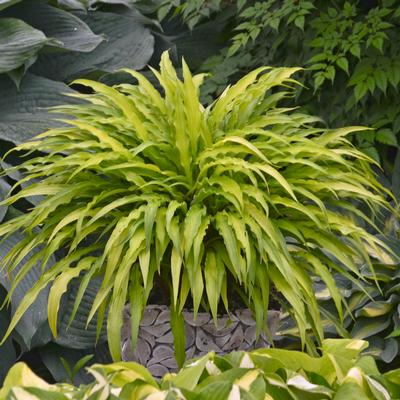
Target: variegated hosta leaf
x,y
270,374
372,313
241,193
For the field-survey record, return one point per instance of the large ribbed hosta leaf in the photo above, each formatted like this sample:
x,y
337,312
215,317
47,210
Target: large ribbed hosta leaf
x,y
73,4
23,111
75,334
85,4
128,44
18,43
70,32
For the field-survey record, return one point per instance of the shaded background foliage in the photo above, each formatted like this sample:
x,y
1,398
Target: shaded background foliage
x,y
350,51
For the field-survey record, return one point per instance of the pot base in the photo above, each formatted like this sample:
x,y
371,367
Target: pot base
x,y
155,346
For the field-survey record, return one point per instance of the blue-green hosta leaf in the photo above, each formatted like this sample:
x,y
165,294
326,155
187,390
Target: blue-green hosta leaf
x,y
85,4
23,112
7,3
70,32
129,44
128,3
4,189
366,327
78,335
73,4
17,74
7,350
36,314
18,43
390,350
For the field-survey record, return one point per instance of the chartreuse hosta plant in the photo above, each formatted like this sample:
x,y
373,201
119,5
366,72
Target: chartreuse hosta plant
x,y
242,193
267,374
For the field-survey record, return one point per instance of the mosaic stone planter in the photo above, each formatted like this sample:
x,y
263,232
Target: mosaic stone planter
x,y
155,349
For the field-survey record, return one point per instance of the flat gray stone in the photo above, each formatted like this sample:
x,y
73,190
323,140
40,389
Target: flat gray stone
x,y
155,349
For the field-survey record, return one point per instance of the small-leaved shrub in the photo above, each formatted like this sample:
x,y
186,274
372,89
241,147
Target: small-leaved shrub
x,y
242,193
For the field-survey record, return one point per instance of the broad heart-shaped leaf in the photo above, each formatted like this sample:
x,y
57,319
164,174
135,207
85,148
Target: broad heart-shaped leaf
x,y
18,43
36,314
70,32
23,112
128,44
77,335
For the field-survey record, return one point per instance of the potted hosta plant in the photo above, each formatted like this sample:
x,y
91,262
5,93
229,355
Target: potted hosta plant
x,y
144,184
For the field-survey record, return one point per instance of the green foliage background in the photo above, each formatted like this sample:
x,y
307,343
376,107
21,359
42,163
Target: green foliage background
x,y
350,52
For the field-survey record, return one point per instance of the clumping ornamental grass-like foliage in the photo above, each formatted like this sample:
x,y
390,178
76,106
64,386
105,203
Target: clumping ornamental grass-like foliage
x,y
241,193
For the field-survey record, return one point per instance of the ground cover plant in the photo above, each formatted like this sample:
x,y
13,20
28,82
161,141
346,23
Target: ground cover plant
x,y
141,185
275,374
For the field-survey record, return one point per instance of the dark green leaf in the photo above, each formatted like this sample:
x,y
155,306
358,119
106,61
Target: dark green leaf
x,y
7,3
299,22
386,136
52,354
7,351
23,112
19,42
70,32
129,44
390,350
360,90
17,74
78,335
343,64
366,327
73,4
355,50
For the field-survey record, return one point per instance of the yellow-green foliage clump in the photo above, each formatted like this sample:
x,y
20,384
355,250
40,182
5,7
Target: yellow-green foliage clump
x,y
240,193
